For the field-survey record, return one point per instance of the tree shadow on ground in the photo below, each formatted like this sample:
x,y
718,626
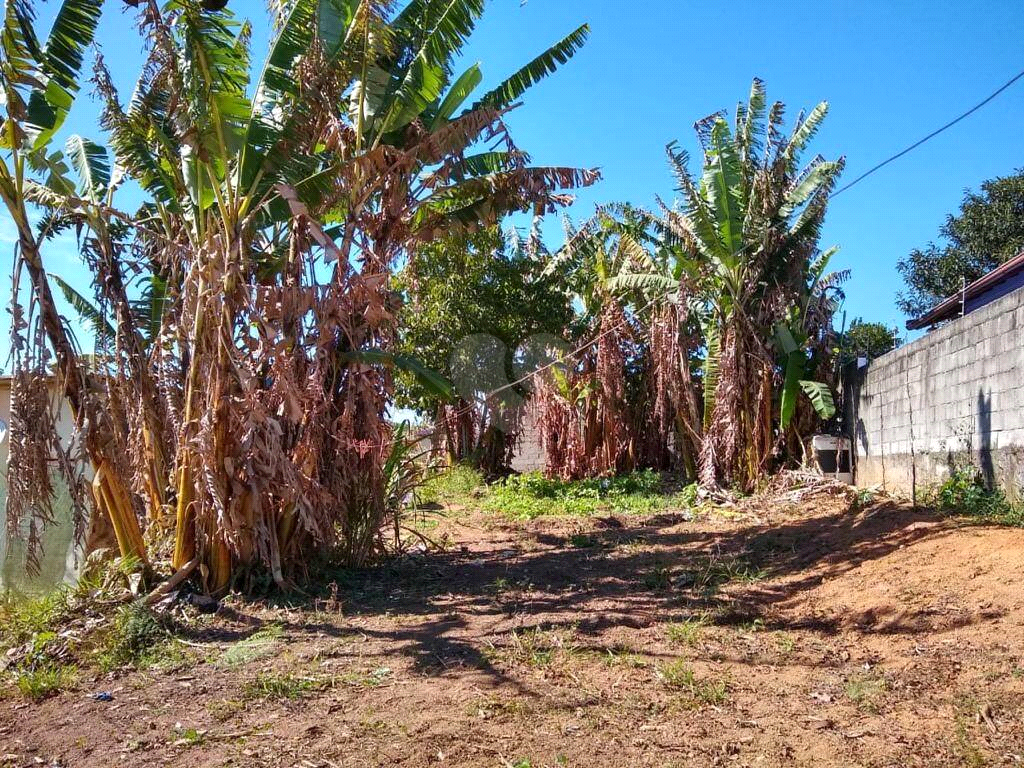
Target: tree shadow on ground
x,y
452,610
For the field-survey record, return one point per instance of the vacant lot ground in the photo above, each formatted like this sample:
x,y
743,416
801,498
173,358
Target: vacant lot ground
x,y
794,633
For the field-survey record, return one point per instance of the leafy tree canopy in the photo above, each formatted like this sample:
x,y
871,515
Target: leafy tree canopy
x,y
987,231
869,339
488,286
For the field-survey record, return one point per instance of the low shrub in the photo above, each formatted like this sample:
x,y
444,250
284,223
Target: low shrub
x,y
532,495
137,638
965,493
452,485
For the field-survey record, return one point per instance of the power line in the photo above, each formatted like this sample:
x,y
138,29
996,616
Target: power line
x,y
933,134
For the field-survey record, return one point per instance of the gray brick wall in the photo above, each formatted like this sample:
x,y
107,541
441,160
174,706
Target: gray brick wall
x,y
956,392
529,453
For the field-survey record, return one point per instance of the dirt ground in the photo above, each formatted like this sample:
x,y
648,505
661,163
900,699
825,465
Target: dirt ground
x,y
805,634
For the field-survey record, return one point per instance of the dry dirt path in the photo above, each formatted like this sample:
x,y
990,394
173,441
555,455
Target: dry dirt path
x,y
808,635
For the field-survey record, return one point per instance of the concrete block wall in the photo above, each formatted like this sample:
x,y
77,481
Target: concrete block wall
x,y
957,393
529,454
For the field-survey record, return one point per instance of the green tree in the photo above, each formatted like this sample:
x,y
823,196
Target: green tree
x,y
987,231
869,340
469,304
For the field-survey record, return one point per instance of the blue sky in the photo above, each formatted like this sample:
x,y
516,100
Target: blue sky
x,y
892,72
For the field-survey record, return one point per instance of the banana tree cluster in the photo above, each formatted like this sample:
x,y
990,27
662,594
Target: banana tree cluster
x,y
245,310
737,259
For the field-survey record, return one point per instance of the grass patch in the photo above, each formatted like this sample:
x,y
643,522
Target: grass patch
x,y
966,748
686,632
258,645
786,643
714,572
865,690
680,677
623,656
453,485
534,648
532,495
22,619
283,687
46,681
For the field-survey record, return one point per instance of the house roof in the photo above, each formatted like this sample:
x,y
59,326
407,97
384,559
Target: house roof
x,y
952,307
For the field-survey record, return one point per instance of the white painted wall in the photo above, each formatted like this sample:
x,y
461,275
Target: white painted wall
x,y
59,561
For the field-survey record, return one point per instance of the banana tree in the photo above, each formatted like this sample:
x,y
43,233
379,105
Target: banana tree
x,y
805,338
588,412
273,223
751,223
39,83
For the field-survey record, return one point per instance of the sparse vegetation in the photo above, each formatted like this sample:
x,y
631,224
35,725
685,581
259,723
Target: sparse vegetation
x,y
283,686
679,676
40,682
137,637
532,495
965,493
452,485
865,689
686,632
258,645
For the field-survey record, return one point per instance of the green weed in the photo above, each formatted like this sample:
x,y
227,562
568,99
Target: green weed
x,y
686,632
283,686
659,578
138,638
189,737
865,690
680,677
258,645
786,643
582,541
965,493
43,682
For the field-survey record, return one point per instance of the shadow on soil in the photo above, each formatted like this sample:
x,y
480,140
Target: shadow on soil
x,y
447,610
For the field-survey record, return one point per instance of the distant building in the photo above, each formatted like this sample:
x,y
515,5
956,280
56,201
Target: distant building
x,y
1001,281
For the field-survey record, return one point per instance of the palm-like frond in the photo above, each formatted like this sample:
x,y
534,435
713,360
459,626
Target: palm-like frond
x,y
820,395
539,68
712,366
89,312
73,30
92,165
457,95
804,131
723,185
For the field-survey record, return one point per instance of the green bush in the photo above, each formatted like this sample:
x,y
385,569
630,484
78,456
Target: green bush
x,y
965,493
452,485
138,637
532,495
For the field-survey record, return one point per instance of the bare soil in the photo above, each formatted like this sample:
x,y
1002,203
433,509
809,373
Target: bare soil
x,y
793,633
